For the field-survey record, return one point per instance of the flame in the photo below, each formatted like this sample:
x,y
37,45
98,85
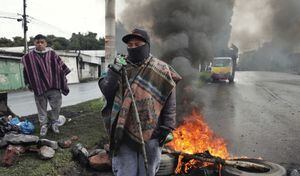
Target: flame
x,y
194,136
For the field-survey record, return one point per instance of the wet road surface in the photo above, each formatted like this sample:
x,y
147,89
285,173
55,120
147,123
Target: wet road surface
x,y
258,115
22,103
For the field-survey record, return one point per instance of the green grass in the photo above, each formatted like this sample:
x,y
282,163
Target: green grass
x,y
85,122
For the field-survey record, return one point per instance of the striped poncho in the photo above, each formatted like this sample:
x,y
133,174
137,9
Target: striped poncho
x,y
46,72
151,87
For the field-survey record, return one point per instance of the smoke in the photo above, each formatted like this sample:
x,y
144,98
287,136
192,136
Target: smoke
x,y
120,32
286,23
257,22
268,34
184,33
250,23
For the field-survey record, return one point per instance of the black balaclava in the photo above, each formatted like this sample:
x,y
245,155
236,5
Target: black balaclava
x,y
139,54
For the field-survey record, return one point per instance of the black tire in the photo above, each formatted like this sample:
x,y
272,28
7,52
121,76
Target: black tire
x,y
167,165
214,80
273,169
231,79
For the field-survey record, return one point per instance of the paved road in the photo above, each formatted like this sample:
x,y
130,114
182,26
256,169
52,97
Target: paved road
x,y
258,115
22,103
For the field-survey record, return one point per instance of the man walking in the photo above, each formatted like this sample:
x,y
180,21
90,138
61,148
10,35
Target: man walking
x,y
45,74
153,84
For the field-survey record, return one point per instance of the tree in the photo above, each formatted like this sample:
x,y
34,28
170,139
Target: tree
x,y
30,43
75,41
101,43
86,42
91,42
4,42
18,41
57,43
60,43
78,41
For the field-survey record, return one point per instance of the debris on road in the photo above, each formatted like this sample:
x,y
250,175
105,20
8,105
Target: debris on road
x,y
20,139
97,159
46,152
67,143
49,143
10,155
81,154
101,161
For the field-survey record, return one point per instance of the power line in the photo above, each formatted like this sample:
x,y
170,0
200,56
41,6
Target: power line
x,y
38,21
8,14
12,18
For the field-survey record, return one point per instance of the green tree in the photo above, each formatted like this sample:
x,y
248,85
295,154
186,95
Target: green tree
x,y
86,41
50,39
79,41
60,43
75,41
4,42
57,43
101,43
18,41
30,42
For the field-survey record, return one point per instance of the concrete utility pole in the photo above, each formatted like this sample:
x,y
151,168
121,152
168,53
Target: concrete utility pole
x,y
110,33
25,28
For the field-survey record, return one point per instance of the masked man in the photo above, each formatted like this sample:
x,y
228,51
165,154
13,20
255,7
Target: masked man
x,y
153,85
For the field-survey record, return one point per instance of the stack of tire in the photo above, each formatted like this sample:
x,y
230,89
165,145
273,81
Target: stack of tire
x,y
273,169
168,165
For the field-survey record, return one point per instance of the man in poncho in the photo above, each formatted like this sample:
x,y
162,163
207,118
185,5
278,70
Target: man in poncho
x,y
153,83
45,74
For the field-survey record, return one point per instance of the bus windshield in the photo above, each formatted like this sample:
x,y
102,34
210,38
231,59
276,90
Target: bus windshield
x,y
221,63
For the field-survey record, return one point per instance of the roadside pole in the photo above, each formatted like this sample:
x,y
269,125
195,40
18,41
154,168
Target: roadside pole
x,y
110,33
25,27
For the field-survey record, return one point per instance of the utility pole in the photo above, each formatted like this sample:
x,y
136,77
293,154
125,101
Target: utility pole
x,y
25,28
110,33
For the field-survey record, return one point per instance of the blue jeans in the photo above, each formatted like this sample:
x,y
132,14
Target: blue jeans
x,y
129,162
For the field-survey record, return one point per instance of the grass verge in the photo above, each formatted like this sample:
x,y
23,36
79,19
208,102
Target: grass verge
x,y
85,122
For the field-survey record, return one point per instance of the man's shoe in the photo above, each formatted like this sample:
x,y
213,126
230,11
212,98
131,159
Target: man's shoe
x,y
55,128
44,129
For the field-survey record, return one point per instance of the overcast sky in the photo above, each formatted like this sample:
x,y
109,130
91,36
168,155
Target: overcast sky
x,y
63,17
58,17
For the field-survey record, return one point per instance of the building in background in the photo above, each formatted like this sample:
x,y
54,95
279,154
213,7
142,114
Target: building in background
x,y
89,62
11,71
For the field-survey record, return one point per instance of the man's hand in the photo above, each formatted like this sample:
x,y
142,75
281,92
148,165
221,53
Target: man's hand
x,y
165,135
117,68
118,65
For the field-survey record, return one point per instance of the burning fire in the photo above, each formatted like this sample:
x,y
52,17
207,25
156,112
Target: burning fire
x,y
194,136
